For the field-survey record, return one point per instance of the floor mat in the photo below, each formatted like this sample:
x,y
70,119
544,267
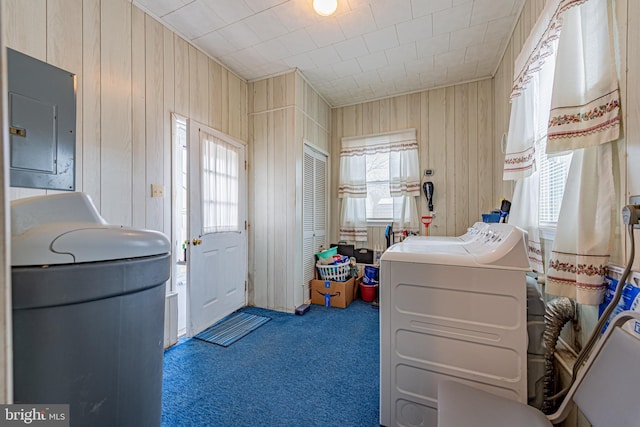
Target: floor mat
x,y
232,328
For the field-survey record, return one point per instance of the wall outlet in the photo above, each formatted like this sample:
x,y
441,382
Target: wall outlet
x,y
157,190
633,200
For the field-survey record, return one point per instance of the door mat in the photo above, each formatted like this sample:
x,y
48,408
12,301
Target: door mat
x,y
232,328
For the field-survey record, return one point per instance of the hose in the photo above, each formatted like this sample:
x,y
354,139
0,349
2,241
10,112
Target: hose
x,y
595,334
556,314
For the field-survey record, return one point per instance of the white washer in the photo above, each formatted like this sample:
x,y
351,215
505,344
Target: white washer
x,y
452,310
474,232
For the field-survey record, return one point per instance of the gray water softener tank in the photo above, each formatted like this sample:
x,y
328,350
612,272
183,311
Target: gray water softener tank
x,y
88,312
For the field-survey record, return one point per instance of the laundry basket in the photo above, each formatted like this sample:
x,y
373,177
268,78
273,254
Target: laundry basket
x,y
336,272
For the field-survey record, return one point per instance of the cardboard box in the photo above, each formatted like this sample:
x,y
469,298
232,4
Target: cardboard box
x,y
340,293
356,291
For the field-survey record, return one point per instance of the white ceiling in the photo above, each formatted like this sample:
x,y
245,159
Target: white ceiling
x,y
368,49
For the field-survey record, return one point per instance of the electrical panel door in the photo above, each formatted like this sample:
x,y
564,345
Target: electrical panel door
x,y
42,121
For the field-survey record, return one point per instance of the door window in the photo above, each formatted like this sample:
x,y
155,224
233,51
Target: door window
x,y
220,179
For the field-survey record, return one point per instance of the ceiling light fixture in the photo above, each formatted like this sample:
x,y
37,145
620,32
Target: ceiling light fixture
x,y
325,7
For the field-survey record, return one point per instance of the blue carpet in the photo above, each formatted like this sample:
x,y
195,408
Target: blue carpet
x,y
320,369
232,328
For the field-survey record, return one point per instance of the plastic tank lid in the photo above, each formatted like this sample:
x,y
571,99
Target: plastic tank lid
x,y
67,228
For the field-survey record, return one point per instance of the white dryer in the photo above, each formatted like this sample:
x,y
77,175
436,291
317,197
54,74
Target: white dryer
x,y
455,310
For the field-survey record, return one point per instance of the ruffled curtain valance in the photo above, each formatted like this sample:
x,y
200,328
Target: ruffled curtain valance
x,y
539,46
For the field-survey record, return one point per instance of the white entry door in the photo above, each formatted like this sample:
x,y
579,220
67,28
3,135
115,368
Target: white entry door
x,y
217,255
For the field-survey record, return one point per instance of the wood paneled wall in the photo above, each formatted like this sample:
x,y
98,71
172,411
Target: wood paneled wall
x,y
315,114
284,112
272,192
132,73
456,138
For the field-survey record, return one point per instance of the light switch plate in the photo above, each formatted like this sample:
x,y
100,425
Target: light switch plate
x,y
157,190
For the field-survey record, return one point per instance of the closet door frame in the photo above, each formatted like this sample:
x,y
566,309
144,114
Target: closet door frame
x,y
312,235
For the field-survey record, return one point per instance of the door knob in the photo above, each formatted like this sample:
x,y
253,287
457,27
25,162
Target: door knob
x,y
196,241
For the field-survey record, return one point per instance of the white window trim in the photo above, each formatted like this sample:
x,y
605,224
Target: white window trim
x,y
547,232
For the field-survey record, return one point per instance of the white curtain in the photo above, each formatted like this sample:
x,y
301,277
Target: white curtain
x,y
404,181
577,264
524,214
530,95
585,117
519,158
220,180
530,103
352,190
586,102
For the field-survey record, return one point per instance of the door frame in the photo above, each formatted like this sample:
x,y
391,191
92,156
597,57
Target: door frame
x,y
173,310
6,342
315,152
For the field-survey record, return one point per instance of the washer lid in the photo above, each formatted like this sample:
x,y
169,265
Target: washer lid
x,y
500,246
67,228
473,233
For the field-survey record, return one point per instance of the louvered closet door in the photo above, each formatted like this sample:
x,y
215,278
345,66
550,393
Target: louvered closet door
x,y
314,210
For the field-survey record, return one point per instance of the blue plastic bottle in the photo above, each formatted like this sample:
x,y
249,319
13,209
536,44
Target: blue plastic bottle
x,y
327,296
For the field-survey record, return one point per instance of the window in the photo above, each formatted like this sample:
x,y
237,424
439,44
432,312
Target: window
x,y
379,201
180,144
553,176
528,128
220,180
379,181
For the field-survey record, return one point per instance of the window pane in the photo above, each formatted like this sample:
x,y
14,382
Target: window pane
x,y
552,184
379,201
553,176
181,142
220,178
378,167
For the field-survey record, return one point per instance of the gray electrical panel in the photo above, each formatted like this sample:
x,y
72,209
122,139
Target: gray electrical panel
x,y
42,124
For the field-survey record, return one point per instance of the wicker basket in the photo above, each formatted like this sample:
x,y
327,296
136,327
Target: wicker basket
x,y
336,273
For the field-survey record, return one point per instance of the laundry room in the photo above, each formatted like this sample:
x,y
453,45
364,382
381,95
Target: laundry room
x,y
379,200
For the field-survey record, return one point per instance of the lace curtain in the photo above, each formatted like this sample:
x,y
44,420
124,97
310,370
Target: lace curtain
x,y
220,180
